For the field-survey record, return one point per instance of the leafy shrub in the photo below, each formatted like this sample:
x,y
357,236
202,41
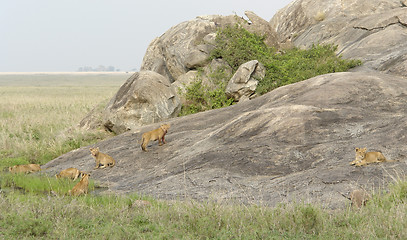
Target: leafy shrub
x,y
236,45
201,97
296,65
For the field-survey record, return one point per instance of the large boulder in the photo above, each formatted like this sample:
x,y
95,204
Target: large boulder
x,y
293,143
298,16
242,86
146,97
261,27
183,47
187,46
372,31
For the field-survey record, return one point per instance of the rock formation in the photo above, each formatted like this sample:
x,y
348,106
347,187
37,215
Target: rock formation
x,y
187,45
146,97
175,56
372,31
295,142
244,82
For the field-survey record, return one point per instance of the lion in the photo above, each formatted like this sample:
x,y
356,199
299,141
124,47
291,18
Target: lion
x,y
359,197
154,135
102,158
71,173
362,157
27,168
81,187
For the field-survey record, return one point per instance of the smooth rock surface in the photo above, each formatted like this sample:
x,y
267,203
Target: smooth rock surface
x,y
146,97
292,144
372,31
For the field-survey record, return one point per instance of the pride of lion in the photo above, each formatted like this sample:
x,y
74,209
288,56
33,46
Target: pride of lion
x,y
103,160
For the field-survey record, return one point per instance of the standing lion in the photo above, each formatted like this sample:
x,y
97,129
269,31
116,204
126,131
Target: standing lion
x,y
154,135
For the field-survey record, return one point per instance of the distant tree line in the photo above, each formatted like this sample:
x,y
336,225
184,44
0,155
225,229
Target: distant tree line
x,y
100,68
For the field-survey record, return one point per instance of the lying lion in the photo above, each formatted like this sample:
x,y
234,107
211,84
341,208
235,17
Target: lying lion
x,y
362,157
71,173
27,168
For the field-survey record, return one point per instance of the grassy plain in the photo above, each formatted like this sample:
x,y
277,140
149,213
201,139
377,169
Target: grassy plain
x,y
36,111
33,121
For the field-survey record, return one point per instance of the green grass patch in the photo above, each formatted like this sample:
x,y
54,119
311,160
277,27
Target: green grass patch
x,y
9,162
38,183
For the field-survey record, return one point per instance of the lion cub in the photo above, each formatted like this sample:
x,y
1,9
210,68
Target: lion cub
x,y
359,197
81,187
28,168
362,157
71,173
102,158
154,135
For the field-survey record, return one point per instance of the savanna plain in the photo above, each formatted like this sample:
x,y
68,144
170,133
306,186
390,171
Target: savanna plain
x,y
39,114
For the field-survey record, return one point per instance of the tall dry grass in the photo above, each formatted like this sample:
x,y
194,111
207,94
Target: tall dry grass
x,y
34,120
116,217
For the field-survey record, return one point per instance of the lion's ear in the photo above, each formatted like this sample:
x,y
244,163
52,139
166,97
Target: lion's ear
x,y
364,149
356,149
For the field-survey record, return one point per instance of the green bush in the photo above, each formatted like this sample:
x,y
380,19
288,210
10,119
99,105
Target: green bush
x,y
201,97
296,65
236,45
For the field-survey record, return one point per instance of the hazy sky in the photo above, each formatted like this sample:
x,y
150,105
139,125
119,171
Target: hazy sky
x,y
63,35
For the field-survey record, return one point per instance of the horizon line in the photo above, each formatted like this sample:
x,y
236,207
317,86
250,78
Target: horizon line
x,y
27,73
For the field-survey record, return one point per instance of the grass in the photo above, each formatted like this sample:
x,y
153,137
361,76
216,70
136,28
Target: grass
x,y
63,79
28,215
39,183
34,119
36,206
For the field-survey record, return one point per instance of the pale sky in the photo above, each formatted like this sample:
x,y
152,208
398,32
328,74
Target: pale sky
x,y
63,35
